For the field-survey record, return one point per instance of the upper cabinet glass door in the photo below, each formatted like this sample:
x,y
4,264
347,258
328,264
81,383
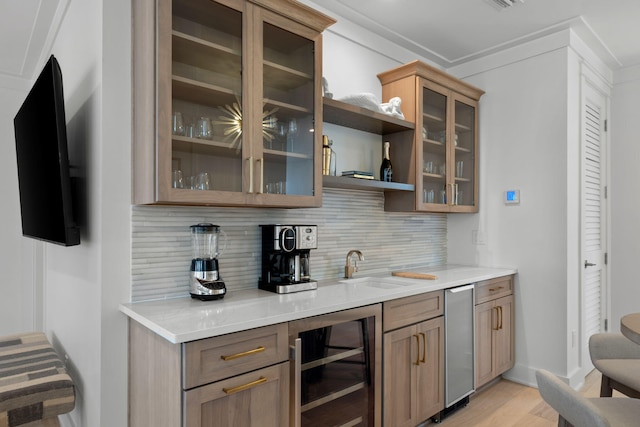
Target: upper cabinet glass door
x,y
434,146
288,137
207,102
464,187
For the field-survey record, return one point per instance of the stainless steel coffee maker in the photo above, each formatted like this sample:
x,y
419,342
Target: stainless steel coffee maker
x,y
285,258
205,282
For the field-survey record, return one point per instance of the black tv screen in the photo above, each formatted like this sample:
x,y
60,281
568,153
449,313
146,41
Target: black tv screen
x,y
43,163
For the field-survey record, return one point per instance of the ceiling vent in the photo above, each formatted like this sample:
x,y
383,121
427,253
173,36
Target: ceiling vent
x,y
504,4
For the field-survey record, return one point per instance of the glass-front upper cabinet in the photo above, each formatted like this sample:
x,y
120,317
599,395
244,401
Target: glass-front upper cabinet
x,y
289,146
448,150
446,138
226,101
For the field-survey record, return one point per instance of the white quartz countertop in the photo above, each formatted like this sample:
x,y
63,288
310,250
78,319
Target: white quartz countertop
x,y
186,319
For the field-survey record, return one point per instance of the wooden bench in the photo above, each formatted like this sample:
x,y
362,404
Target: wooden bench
x,y
34,385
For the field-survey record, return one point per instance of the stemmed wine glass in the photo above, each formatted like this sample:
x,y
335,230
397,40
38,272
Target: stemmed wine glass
x,y
292,131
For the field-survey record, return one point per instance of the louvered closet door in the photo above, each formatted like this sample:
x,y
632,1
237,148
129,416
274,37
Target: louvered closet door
x,y
593,224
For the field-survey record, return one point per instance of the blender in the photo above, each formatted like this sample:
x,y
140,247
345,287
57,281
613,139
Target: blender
x,y
205,282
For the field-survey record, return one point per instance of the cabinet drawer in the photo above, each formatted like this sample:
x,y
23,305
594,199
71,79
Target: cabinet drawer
x,y
410,310
257,399
488,290
213,359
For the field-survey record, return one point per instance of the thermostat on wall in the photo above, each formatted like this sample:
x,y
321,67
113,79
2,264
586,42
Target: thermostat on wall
x,y
512,197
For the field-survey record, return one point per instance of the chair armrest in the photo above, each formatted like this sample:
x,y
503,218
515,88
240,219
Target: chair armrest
x,y
612,346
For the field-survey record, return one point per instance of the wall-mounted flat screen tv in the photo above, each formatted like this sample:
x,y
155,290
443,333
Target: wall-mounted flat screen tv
x,y
43,164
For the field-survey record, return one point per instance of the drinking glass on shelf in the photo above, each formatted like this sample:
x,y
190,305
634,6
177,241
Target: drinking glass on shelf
x,y
190,130
203,128
177,179
202,181
178,124
191,182
428,167
459,168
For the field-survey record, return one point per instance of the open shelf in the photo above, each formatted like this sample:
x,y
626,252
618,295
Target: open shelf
x,y
364,184
354,117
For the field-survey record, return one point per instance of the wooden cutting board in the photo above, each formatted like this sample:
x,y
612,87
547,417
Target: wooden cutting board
x,y
413,275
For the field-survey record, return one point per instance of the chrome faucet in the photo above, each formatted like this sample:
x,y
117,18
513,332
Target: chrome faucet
x,y
350,269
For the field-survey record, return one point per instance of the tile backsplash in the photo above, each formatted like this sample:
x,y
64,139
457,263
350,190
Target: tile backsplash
x,y
348,219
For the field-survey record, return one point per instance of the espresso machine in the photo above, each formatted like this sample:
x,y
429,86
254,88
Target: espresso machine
x,y
285,258
205,282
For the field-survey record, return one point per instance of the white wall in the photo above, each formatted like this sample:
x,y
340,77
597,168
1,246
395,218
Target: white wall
x,y
624,195
523,146
530,141
17,278
84,284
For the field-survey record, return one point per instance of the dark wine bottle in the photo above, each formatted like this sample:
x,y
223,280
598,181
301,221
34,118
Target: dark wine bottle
x,y
386,171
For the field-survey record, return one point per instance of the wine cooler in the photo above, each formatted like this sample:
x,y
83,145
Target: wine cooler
x,y
335,369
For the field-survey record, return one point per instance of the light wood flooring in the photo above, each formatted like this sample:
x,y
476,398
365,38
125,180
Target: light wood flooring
x,y
507,404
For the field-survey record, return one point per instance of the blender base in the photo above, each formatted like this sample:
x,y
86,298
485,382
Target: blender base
x,y
207,297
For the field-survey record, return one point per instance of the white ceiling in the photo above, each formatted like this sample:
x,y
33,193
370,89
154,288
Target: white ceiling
x,y
26,31
451,32
448,32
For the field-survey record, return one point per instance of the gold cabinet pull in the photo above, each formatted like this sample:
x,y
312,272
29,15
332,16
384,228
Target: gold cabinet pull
x,y
500,317
495,289
497,328
261,190
232,390
451,195
244,353
250,162
424,348
417,348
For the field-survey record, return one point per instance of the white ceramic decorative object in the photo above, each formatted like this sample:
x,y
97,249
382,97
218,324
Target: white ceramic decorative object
x,y
393,107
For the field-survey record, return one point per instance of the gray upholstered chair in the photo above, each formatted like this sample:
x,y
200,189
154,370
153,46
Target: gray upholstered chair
x,y
579,411
618,359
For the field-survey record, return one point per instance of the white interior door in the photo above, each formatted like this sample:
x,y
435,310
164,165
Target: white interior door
x,y
593,217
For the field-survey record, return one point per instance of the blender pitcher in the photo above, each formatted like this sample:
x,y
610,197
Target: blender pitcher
x,y
205,280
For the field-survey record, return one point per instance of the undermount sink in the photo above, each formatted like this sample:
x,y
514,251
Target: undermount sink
x,y
376,282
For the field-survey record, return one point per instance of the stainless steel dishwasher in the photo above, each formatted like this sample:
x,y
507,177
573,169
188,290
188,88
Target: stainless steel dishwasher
x,y
459,347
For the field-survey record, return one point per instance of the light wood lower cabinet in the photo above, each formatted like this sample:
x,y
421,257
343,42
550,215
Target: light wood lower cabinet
x,y
495,341
257,399
413,361
234,380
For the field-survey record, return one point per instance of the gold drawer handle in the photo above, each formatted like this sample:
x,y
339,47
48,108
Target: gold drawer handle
x,y
495,289
244,386
424,347
244,353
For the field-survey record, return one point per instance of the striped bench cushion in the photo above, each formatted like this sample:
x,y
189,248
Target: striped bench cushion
x,y
34,383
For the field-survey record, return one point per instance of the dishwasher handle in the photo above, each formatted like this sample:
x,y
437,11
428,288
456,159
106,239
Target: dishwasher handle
x,y
461,288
